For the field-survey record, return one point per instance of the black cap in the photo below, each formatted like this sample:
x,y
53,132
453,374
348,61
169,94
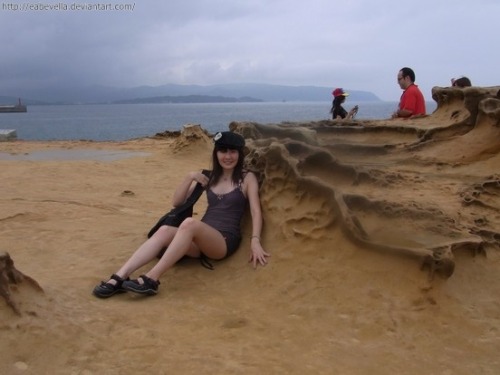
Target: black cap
x,y
229,140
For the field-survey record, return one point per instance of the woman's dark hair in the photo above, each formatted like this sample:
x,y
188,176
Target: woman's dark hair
x,y
338,100
217,169
337,109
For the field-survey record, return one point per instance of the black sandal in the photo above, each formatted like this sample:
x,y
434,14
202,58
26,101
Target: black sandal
x,y
148,287
106,289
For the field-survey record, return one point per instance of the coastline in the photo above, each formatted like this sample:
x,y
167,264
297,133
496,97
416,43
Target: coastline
x,y
122,122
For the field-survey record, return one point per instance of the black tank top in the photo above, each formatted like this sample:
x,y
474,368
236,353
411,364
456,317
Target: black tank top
x,y
225,211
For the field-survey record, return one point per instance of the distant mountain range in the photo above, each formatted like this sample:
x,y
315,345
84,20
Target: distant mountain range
x,y
189,99
248,92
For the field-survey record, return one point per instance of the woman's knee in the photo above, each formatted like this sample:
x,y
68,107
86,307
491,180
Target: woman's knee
x,y
164,231
188,224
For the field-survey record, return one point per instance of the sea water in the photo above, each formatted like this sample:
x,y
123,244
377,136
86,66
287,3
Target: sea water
x,y
118,122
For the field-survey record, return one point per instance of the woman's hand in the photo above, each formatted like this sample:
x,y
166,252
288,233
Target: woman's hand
x,y
258,255
199,177
186,187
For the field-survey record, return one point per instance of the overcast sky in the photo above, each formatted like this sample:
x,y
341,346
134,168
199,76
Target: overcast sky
x,y
354,44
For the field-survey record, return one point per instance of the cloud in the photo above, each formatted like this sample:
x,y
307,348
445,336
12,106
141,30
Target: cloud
x,y
357,44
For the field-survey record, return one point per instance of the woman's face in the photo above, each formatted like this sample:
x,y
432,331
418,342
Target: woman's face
x,y
228,158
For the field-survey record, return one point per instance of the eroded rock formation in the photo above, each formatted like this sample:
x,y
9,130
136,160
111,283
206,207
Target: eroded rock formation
x,y
10,275
427,187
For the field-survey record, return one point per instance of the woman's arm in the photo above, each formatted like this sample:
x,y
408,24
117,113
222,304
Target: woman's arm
x,y
258,254
186,187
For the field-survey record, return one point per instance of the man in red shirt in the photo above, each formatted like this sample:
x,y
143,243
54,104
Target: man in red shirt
x,y
412,101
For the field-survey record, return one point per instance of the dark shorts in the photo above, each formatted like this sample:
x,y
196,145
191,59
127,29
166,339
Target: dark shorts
x,y
232,242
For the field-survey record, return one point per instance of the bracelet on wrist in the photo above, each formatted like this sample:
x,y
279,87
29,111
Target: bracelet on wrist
x,y
255,237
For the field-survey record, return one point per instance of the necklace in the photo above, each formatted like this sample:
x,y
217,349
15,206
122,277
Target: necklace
x,y
224,179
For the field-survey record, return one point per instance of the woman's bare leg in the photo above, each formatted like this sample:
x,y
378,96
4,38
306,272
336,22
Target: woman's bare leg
x,y
147,251
191,237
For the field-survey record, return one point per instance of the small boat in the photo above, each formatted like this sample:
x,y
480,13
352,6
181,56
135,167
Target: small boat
x,y
19,107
